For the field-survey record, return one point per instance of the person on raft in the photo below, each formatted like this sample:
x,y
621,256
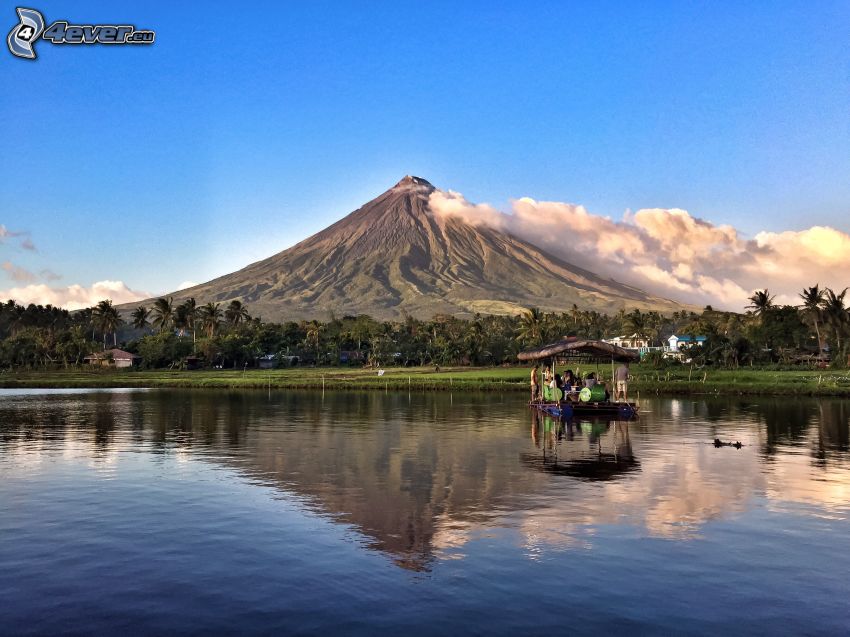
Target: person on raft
x,y
621,380
535,386
558,382
553,384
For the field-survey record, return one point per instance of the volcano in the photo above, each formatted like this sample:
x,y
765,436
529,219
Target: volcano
x,y
395,256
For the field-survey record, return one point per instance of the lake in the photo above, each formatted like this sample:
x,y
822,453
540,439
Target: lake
x,y
212,512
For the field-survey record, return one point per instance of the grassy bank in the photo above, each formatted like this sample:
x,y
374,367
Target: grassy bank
x,y
645,380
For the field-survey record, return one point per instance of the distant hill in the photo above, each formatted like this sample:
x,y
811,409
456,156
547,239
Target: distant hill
x,y
394,255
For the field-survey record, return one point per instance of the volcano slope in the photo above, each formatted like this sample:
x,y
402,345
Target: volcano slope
x,y
395,256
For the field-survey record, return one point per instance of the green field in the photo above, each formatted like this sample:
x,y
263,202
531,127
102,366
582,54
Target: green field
x,y
678,381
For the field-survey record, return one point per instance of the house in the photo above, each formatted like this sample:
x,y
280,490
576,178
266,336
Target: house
x,y
685,340
269,361
113,358
628,342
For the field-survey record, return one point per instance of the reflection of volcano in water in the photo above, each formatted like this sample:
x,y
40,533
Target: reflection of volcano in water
x,y
402,473
579,452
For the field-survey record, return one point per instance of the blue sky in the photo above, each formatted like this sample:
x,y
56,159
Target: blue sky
x,y
239,133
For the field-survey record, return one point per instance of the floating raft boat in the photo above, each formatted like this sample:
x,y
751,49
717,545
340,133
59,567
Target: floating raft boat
x,y
590,402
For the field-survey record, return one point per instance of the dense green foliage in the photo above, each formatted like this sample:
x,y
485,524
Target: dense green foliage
x,y
37,336
172,336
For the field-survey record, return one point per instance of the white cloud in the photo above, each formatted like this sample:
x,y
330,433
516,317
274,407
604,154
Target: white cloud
x,y
74,297
663,278
451,203
669,251
185,285
723,292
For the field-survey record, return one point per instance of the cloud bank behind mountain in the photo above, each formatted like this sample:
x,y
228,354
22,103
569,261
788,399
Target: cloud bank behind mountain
x,y
73,297
670,252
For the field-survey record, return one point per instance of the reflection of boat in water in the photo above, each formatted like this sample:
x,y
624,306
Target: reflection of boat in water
x,y
605,466
568,409
588,402
575,448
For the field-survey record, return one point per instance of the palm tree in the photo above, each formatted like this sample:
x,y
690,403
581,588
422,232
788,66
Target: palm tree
x,y
180,320
186,316
575,313
636,323
236,313
531,326
835,314
210,315
655,323
361,330
473,339
140,317
620,316
312,331
761,302
812,301
107,319
164,313
596,324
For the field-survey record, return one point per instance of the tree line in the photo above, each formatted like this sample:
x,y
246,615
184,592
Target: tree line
x,y
218,335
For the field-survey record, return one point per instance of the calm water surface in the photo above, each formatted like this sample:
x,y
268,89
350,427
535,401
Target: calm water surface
x,y
208,512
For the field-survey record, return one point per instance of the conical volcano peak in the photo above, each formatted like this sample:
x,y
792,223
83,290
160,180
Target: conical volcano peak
x,y
410,181
395,256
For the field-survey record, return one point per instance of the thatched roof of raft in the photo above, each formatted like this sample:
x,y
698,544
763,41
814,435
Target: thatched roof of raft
x,y
582,348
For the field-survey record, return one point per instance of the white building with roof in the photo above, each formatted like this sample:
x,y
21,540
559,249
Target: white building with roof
x,y
685,340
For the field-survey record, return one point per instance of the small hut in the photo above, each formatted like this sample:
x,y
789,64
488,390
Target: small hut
x,y
113,358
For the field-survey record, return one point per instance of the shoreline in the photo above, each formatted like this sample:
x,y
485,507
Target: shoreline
x,y
832,383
